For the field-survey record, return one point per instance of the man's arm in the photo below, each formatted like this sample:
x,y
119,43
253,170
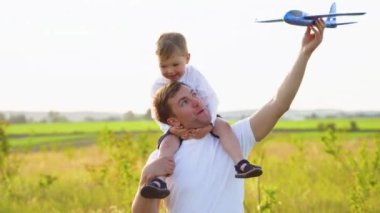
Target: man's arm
x,y
263,121
160,167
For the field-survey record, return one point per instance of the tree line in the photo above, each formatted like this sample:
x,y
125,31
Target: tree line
x,y
58,117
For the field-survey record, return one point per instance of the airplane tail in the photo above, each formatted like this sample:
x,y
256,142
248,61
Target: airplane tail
x,y
331,20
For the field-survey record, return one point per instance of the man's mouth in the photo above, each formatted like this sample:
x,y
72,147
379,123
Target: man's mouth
x,y
200,111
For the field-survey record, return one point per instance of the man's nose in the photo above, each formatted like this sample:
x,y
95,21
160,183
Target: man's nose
x,y
195,102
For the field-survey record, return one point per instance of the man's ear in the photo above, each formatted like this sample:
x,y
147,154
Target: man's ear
x,y
173,122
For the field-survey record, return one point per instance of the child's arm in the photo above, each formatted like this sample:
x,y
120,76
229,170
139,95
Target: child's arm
x,y
191,133
200,132
180,132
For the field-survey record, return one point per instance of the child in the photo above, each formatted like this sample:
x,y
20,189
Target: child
x,y
173,58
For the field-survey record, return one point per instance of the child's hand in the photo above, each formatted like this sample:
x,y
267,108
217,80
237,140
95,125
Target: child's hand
x,y
180,132
200,132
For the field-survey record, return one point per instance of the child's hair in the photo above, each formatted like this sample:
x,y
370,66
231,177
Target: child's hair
x,y
170,44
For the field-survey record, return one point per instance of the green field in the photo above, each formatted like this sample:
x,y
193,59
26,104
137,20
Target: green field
x,y
343,123
305,171
85,127
80,127
67,134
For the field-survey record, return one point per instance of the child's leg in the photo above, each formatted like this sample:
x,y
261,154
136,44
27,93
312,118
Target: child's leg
x,y
156,188
231,145
169,146
228,139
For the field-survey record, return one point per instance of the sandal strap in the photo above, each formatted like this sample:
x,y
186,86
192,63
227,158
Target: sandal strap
x,y
240,163
162,184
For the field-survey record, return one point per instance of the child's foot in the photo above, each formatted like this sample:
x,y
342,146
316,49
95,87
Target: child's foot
x,y
156,189
246,170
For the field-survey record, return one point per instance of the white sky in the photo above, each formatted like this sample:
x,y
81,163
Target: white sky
x,y
93,55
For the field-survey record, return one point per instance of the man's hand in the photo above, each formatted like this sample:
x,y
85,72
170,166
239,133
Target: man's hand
x,y
160,167
313,37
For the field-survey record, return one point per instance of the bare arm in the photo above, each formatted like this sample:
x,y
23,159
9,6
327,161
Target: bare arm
x,y
263,121
160,167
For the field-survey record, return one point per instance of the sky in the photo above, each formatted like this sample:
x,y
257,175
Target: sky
x,y
94,55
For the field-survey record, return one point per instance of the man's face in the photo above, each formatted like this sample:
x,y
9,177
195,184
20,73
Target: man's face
x,y
188,109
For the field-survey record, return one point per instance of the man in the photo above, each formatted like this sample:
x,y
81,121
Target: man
x,y
203,179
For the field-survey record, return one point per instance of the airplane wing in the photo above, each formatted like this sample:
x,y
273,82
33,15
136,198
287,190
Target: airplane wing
x,y
333,15
269,21
344,23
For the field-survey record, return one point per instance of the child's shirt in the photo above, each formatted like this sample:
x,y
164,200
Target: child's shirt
x,y
196,81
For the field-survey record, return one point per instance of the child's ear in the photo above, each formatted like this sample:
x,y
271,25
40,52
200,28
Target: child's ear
x,y
187,58
173,122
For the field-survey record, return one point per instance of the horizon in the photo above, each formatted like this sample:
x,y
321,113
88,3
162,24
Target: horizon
x,y
230,111
65,57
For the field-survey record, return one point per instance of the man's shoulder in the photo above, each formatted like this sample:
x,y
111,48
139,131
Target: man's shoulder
x,y
241,124
243,127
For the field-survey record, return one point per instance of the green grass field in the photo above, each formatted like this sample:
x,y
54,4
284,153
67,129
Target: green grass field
x,y
303,172
66,134
85,127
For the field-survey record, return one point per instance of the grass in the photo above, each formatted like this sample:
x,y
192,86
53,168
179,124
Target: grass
x,y
340,123
28,136
33,141
299,175
80,127
149,125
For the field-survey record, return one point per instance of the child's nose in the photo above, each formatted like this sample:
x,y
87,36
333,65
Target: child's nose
x,y
171,71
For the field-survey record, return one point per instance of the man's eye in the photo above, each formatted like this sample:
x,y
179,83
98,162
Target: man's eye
x,y
184,102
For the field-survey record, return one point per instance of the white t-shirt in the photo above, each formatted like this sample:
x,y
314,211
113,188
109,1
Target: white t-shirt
x,y
204,177
193,78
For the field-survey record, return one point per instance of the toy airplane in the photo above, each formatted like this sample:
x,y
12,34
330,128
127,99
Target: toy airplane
x,y
300,18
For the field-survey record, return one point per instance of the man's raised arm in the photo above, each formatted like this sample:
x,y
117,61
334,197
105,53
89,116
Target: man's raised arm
x,y
263,121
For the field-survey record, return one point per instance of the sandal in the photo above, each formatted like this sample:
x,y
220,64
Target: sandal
x,y
155,189
248,171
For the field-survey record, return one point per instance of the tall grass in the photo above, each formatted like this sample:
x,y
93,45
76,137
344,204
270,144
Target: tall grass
x,y
326,174
330,175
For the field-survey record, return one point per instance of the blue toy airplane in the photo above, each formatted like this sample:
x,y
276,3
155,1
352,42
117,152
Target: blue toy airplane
x,y
300,18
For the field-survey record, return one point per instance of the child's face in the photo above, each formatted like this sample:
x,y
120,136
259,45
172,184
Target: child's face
x,y
174,67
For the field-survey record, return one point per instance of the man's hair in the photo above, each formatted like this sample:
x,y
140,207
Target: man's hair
x,y
161,106
170,44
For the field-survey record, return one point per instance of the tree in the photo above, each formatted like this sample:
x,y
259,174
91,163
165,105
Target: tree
x,y
56,117
129,116
354,126
17,119
2,117
148,115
